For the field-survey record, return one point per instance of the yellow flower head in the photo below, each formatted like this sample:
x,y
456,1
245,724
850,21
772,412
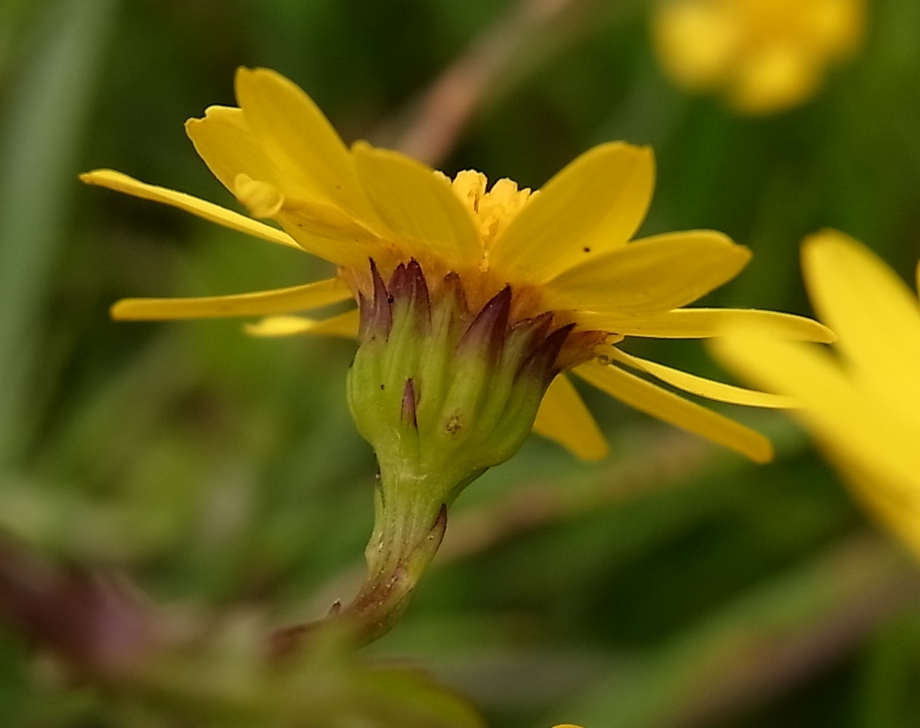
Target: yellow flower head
x,y
764,55
860,400
560,261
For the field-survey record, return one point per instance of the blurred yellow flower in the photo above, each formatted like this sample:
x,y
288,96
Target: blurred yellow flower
x,y
764,55
861,401
564,253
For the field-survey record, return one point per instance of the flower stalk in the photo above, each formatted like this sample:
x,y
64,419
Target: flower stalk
x,y
442,394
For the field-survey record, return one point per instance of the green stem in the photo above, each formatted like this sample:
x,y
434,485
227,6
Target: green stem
x,y
396,561
408,530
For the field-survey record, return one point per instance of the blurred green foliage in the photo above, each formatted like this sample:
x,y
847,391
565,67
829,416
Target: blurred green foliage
x,y
673,585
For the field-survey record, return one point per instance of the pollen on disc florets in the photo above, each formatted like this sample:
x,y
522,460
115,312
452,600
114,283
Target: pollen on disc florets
x,y
440,386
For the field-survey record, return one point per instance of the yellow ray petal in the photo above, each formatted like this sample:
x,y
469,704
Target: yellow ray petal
x,y
649,276
345,325
699,386
666,406
119,182
705,323
330,233
225,143
419,207
321,228
873,312
851,421
592,206
299,139
263,303
563,418
260,198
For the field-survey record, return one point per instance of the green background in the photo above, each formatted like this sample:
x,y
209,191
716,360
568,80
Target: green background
x,y
673,584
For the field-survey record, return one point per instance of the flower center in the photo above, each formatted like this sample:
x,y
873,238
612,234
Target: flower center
x,y
494,209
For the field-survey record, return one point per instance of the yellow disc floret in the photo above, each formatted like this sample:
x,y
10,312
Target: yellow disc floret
x,y
493,209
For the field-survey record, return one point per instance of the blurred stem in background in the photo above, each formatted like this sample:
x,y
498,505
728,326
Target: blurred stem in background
x,y
442,113
45,118
13,17
759,646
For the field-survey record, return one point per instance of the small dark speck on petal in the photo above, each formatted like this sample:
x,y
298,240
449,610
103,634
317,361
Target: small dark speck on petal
x,y
586,249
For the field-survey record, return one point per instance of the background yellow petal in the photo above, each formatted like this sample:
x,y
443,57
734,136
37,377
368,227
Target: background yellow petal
x,y
419,206
592,206
705,323
345,324
875,315
917,276
564,418
696,42
299,139
207,210
775,78
700,386
653,400
263,303
851,420
649,276
896,507
835,27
